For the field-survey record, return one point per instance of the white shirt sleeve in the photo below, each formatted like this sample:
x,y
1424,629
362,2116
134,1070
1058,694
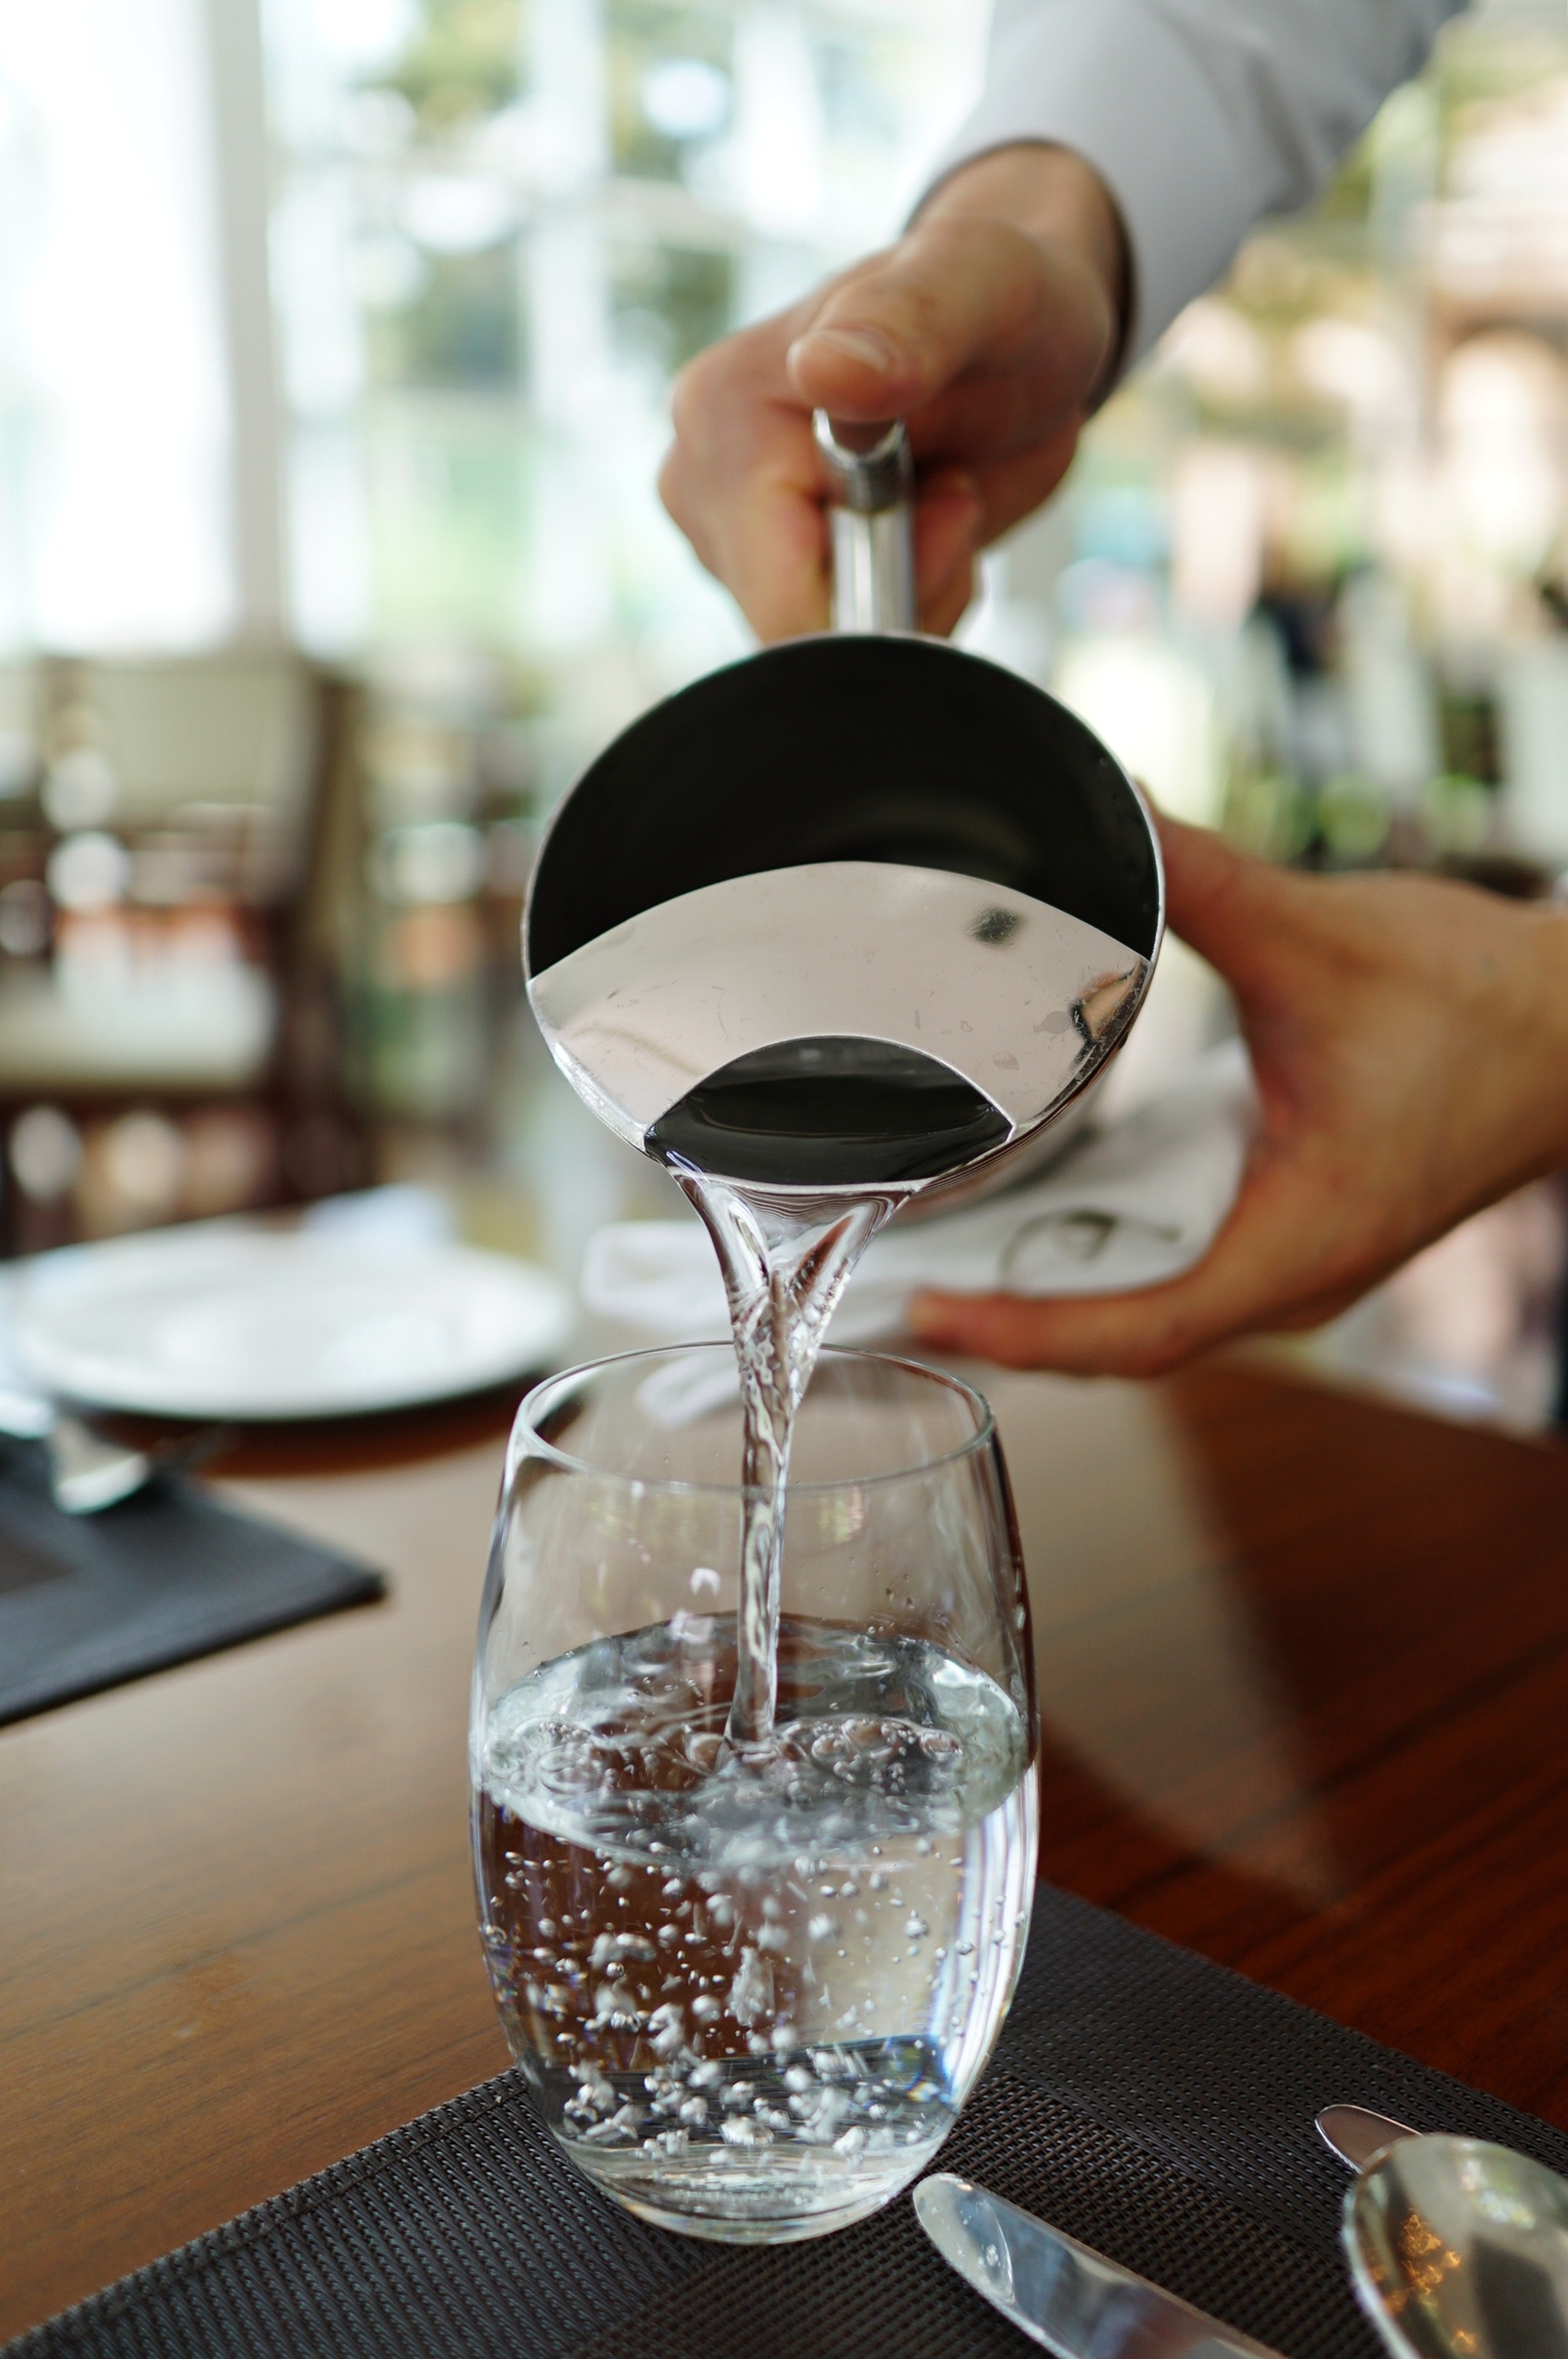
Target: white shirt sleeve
x,y
1200,115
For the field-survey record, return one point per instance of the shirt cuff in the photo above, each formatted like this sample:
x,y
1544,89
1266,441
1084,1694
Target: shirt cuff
x,y
1112,80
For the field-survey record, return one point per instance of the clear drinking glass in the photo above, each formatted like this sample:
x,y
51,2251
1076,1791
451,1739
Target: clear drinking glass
x,y
750,1990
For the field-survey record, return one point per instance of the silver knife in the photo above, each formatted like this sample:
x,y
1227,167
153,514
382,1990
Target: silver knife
x,y
1075,2301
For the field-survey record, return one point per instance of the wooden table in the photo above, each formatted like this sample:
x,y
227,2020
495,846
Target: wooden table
x,y
1303,1668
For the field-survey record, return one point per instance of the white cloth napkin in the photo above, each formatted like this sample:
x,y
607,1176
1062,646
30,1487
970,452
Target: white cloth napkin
x,y
1133,1203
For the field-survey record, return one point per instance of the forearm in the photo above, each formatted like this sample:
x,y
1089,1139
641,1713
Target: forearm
x,y
1199,115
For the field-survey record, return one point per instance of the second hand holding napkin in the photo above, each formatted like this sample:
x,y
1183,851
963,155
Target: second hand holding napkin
x,y
1133,1204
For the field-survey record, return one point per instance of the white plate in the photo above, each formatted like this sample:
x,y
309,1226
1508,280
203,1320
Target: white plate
x,y
217,1320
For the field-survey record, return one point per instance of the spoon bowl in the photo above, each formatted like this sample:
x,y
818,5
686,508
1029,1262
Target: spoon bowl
x,y
1459,2250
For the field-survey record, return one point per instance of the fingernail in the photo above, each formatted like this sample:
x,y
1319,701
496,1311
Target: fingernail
x,y
927,1318
868,347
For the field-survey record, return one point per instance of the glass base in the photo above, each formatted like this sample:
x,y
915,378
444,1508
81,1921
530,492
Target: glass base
x,y
745,2212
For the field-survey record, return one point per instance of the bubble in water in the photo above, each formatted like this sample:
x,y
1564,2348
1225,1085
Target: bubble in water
x,y
823,2117
725,1899
751,1991
667,2031
614,2007
705,1581
702,1747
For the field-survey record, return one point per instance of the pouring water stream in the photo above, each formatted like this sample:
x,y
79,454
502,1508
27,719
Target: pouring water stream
x,y
785,1262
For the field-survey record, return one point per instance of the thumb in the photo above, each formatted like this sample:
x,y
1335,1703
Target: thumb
x,y
895,334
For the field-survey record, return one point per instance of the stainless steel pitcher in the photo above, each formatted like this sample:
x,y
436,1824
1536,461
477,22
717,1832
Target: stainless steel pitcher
x,y
1014,947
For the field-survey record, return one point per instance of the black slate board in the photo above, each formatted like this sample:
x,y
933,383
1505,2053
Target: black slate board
x,y
89,1602
1151,2103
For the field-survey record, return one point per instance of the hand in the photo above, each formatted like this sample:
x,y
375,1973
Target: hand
x,y
1410,1039
989,328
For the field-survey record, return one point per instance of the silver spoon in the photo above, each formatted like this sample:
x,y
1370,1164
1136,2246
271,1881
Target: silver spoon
x,y
88,1471
1457,2249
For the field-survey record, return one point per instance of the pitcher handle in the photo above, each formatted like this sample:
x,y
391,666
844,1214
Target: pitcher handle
x,y
873,522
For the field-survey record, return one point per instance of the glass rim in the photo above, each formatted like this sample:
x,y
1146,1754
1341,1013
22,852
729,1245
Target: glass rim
x,y
539,1447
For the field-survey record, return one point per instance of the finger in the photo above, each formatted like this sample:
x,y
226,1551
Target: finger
x,y
943,607
947,528
777,562
1262,1272
1226,905
744,481
1011,488
953,293
760,530
777,556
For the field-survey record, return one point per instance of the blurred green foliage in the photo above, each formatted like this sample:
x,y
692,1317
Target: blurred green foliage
x,y
462,63
643,35
669,301
459,329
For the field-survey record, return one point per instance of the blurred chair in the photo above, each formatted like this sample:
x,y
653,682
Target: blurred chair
x,y
180,850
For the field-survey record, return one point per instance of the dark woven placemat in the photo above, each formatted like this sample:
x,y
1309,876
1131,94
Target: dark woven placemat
x,y
1150,2102
89,1602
